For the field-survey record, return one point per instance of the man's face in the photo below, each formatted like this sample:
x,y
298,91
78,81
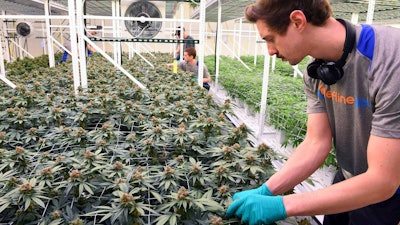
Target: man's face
x,y
187,57
287,47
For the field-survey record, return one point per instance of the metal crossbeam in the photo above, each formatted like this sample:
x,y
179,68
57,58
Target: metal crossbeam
x,y
151,40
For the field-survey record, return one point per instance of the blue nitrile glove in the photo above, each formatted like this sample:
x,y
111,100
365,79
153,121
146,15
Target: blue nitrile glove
x,y
258,209
262,190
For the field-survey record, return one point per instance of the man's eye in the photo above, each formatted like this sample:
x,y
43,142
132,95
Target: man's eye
x,y
269,40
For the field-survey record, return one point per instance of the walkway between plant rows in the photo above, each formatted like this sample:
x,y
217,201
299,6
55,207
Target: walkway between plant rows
x,y
272,138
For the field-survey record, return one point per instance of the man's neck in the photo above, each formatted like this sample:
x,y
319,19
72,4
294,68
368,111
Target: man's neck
x,y
192,62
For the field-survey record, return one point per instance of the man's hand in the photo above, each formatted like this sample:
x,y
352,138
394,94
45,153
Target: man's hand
x,y
258,209
262,190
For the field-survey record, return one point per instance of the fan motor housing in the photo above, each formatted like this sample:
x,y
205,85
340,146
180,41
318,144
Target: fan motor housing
x,y
24,29
142,27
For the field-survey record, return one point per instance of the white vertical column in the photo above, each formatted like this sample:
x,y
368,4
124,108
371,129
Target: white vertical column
x,y
117,45
370,13
354,17
218,40
255,46
202,32
263,110
181,48
81,43
273,63
103,24
74,44
4,34
20,45
2,66
50,49
118,23
240,37
43,43
114,28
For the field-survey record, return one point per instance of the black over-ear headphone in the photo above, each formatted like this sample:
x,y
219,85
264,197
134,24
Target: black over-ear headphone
x,y
331,72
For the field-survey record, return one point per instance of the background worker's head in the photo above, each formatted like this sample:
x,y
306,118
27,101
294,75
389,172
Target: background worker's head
x,y
178,32
189,54
276,13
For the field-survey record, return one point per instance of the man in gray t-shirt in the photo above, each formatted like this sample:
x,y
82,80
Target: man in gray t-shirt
x,y
190,64
353,99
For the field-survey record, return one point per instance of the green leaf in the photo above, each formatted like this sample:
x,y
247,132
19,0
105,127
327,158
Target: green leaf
x,y
173,220
4,206
163,219
192,160
157,196
201,206
56,222
167,184
255,169
105,217
81,189
27,204
39,202
88,189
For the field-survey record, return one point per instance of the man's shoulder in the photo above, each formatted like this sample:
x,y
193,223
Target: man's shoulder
x,y
182,64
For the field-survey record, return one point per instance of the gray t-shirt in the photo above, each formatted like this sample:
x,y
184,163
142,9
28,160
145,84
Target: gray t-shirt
x,y
183,65
366,100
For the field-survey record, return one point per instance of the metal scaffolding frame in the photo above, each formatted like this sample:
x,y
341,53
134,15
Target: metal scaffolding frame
x,y
215,13
76,18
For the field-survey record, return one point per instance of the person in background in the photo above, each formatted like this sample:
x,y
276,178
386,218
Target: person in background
x,y
67,44
190,64
184,36
353,104
90,49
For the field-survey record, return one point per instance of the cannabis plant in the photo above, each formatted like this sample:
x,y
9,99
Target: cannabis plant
x,y
118,154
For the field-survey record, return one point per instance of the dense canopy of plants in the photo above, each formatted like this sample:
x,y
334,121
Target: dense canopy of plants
x,y
286,101
118,154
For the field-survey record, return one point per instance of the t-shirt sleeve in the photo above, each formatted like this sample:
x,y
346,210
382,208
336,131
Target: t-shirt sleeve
x,y
314,103
386,96
181,65
384,83
206,74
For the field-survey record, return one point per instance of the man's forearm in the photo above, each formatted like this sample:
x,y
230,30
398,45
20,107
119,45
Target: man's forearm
x,y
304,161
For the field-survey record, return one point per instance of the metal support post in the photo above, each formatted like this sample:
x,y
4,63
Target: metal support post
x,y
50,48
74,44
201,40
263,110
81,43
218,40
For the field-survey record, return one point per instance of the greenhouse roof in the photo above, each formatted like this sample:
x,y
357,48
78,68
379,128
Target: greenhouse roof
x,y
386,11
60,7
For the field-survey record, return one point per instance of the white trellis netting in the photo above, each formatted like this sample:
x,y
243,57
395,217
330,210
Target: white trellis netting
x,y
273,138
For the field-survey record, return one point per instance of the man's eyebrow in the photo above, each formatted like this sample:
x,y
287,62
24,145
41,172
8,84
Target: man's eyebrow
x,y
268,37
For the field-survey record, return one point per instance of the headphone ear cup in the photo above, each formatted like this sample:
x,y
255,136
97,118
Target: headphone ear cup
x,y
330,73
313,67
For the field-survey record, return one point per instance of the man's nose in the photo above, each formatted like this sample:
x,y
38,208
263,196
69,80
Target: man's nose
x,y
271,50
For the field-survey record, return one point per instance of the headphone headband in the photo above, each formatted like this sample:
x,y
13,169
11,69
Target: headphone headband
x,y
331,72
348,43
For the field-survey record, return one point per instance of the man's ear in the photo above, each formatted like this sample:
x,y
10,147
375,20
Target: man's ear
x,y
298,19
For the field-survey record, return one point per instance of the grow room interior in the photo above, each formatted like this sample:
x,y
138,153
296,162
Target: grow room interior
x,y
119,137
